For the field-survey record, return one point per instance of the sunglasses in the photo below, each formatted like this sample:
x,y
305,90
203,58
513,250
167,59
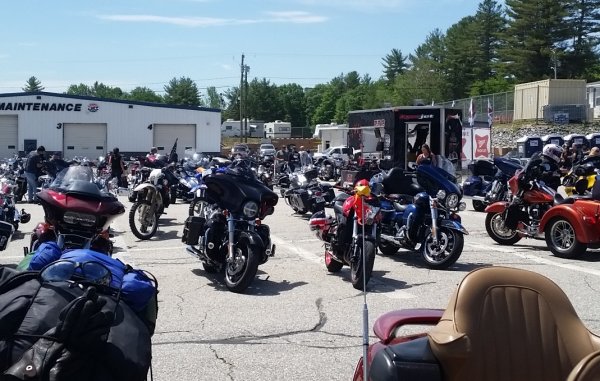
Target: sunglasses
x,y
64,270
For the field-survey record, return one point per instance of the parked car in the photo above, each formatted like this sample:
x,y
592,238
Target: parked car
x,y
267,150
240,149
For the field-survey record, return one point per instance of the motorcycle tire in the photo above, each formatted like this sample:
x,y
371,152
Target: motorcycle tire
x,y
239,279
508,238
332,265
197,207
147,234
562,240
447,251
356,268
387,248
479,206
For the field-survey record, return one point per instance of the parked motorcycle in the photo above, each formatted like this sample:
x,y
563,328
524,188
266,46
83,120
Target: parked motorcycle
x,y
472,340
351,233
305,194
509,221
8,209
77,212
488,181
580,180
152,197
233,238
427,222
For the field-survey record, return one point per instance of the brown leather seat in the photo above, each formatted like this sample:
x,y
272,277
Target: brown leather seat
x,y
510,324
588,369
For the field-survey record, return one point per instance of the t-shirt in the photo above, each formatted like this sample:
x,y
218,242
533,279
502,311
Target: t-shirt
x,y
115,163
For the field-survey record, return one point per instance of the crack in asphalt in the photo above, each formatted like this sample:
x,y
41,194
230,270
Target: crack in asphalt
x,y
587,282
254,339
224,361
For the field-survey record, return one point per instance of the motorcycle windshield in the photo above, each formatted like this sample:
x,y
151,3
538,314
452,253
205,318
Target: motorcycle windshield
x,y
231,192
77,179
530,170
434,178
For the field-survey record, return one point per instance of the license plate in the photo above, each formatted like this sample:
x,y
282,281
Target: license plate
x,y
320,199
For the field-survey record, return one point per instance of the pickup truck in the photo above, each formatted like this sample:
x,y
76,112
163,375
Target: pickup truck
x,y
339,152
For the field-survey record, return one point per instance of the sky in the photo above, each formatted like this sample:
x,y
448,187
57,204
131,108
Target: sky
x,y
131,43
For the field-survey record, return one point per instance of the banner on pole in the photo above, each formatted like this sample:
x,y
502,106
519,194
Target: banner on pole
x,y
467,147
481,143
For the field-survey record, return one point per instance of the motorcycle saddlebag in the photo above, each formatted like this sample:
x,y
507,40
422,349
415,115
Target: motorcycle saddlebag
x,y
472,186
6,232
193,228
411,360
482,168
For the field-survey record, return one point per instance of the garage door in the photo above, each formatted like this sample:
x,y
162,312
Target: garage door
x,y
84,140
165,135
8,135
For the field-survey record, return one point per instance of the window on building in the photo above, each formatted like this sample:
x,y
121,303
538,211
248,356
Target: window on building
x,y
229,127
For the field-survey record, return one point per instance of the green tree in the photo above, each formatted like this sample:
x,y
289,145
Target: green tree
x,y
231,98
81,89
182,91
262,101
101,90
490,24
463,57
33,85
293,103
213,98
583,22
394,64
144,94
534,29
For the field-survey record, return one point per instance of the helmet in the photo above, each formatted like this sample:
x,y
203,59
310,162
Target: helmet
x,y
553,152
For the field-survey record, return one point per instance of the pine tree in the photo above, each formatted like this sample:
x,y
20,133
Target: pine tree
x,y
583,21
32,85
394,64
535,29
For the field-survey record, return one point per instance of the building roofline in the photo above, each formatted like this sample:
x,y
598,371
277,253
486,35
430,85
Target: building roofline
x,y
123,101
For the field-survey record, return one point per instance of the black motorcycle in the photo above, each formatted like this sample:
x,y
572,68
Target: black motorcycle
x,y
306,194
232,237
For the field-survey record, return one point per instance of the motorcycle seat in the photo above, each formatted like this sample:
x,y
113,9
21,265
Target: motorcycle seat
x,y
401,198
533,307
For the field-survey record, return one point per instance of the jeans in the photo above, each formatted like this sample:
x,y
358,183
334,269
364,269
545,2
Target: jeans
x,y
118,175
31,185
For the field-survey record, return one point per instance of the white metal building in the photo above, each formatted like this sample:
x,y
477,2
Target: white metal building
x,y
331,135
91,127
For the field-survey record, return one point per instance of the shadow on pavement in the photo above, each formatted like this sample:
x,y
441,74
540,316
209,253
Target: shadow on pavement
x,y
260,286
415,259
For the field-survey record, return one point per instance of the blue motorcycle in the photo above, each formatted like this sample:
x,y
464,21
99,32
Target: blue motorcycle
x,y
488,182
427,220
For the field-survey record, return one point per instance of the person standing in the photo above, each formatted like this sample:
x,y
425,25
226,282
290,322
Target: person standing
x,y
426,156
33,170
56,164
117,166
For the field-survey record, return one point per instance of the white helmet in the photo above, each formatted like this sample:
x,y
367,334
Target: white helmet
x,y
553,151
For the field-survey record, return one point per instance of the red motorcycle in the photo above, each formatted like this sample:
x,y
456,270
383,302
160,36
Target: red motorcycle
x,y
509,221
357,214
501,323
77,212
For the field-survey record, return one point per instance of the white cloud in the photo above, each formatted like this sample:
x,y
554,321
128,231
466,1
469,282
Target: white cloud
x,y
226,66
364,5
297,17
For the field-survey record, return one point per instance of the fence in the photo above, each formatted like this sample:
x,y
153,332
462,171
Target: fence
x,y
502,105
529,102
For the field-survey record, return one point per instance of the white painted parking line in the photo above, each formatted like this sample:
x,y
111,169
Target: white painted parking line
x,y
535,258
319,259
156,248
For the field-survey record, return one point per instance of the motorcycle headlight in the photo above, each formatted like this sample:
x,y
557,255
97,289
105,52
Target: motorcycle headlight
x,y
441,194
250,209
462,206
452,200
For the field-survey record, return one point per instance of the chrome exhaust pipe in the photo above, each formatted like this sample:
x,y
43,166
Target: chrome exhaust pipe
x,y
389,239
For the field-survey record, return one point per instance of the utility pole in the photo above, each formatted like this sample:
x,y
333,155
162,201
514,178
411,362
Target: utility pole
x,y
246,70
242,99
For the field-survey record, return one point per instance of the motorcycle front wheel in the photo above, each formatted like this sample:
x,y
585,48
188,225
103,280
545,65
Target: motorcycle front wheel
x,y
356,267
198,207
494,225
387,248
143,220
446,251
240,272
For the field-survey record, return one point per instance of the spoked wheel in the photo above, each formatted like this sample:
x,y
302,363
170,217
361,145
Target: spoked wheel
x,y
479,206
356,267
445,252
332,265
494,225
198,208
562,240
143,220
240,272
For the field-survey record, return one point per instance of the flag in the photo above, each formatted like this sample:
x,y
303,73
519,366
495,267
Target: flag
x,y
472,113
453,103
432,102
490,113
173,155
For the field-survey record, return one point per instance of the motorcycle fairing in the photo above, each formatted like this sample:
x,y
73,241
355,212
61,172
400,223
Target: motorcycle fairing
x,y
79,203
497,207
454,225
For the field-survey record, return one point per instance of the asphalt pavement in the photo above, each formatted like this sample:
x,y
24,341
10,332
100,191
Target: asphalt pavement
x,y
297,321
